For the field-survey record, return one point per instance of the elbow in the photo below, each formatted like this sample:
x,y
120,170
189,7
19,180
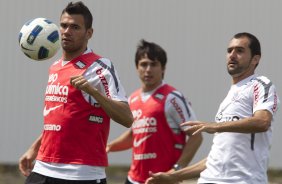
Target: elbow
x,y
129,121
128,124
264,125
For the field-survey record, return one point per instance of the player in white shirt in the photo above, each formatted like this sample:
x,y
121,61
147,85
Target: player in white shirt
x,y
243,127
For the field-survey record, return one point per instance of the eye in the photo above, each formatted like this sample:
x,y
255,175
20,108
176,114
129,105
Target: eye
x,y
143,65
64,26
229,50
240,50
75,27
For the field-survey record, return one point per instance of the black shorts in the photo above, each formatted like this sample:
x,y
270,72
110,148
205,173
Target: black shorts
x,y
35,178
127,181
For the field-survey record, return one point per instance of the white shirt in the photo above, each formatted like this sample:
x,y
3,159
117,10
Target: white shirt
x,y
242,158
117,92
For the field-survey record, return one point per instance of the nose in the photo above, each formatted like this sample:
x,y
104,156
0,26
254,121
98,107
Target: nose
x,y
148,67
65,30
232,54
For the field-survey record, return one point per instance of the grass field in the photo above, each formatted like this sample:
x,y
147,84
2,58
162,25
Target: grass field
x,y
9,174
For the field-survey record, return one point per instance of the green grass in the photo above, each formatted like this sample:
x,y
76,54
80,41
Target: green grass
x,y
9,174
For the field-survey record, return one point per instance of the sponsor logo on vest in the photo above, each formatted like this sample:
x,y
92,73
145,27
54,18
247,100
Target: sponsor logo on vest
x,y
52,78
137,143
56,92
80,64
178,146
104,82
143,124
145,156
52,127
47,111
96,119
57,89
159,96
178,109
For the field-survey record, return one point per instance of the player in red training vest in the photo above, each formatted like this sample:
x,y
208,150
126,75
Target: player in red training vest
x,y
82,95
158,142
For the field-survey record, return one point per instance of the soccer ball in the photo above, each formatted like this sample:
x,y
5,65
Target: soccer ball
x,y
39,39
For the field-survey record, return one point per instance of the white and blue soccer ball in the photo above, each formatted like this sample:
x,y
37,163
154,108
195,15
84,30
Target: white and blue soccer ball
x,y
39,39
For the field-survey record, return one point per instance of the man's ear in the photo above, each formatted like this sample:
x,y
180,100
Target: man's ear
x,y
256,59
90,32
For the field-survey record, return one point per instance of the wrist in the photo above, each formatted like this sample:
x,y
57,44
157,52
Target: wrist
x,y
177,167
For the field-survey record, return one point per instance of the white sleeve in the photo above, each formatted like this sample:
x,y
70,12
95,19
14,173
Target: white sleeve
x,y
178,110
264,95
103,76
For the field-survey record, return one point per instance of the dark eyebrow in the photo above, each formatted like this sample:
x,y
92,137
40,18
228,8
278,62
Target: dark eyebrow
x,y
232,48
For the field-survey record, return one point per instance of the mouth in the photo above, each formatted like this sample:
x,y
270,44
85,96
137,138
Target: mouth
x,y
147,78
66,40
232,63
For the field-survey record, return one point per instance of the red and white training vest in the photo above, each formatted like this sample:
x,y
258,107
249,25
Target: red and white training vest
x,y
155,147
75,132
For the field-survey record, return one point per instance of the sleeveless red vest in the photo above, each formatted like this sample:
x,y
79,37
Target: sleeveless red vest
x,y
155,147
75,132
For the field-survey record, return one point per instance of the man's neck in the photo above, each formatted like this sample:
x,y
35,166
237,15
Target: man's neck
x,y
67,56
236,79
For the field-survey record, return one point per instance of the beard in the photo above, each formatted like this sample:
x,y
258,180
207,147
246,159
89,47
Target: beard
x,y
236,68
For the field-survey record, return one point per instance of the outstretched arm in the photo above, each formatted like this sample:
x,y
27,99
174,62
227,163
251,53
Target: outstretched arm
x,y
177,176
118,111
189,150
27,159
123,142
259,122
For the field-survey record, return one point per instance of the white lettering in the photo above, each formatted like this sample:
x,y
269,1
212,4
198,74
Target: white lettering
x,y
54,98
145,156
57,90
96,119
52,127
53,78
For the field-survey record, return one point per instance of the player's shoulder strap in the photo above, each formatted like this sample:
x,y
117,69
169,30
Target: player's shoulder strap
x,y
85,60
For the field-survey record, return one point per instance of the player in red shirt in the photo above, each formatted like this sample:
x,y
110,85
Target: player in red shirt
x,y
158,143
82,95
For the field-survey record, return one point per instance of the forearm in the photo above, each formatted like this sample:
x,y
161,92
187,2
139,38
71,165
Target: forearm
x,y
189,172
118,111
36,144
121,143
260,122
190,149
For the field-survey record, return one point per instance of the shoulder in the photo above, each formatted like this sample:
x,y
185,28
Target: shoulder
x,y
262,80
262,83
176,96
104,61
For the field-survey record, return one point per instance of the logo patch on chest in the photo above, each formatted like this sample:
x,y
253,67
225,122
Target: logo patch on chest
x,y
96,119
80,64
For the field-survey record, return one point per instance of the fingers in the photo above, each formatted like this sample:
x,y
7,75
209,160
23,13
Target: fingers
x,y
198,131
191,123
108,149
193,127
25,166
78,81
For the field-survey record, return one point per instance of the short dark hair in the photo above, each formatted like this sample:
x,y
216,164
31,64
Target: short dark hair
x,y
80,9
254,42
152,51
